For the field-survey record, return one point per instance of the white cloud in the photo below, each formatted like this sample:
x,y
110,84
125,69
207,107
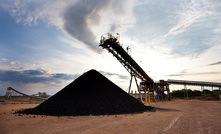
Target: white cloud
x,y
3,59
82,20
166,37
14,62
190,13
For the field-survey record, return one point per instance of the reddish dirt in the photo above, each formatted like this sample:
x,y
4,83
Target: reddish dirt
x,y
172,117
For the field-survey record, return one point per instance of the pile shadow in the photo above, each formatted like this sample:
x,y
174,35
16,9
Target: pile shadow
x,y
89,94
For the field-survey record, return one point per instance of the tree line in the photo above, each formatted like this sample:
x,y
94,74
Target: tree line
x,y
194,94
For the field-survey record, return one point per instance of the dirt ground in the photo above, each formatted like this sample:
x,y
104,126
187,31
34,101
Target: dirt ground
x,y
172,117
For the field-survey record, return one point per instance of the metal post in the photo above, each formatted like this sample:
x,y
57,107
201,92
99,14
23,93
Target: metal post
x,y
149,96
145,92
168,91
141,99
185,89
130,83
136,83
202,88
153,94
135,94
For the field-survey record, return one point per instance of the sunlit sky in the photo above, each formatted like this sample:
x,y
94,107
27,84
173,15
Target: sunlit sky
x,y
46,44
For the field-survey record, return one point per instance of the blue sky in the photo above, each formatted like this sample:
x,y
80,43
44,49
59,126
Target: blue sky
x,y
45,45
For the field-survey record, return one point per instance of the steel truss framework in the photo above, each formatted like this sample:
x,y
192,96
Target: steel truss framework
x,y
18,93
113,46
122,56
194,83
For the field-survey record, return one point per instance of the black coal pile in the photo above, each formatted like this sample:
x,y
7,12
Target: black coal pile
x,y
90,94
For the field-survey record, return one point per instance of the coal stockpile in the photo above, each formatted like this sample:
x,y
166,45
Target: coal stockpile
x,y
90,94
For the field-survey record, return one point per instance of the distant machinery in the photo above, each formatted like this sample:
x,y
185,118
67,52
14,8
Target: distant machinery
x,y
8,93
41,94
111,43
13,92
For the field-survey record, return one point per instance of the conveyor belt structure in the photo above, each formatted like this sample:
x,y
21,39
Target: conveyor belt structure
x,y
113,46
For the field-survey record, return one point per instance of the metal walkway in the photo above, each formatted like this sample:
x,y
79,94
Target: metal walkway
x,y
113,46
194,83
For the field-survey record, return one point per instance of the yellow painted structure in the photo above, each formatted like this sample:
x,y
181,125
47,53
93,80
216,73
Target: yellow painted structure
x,y
140,97
149,96
145,92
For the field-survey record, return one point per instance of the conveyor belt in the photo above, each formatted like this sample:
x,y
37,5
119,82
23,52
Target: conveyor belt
x,y
113,46
10,88
124,58
194,83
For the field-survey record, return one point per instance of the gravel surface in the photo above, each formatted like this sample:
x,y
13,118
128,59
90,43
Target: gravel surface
x,y
171,117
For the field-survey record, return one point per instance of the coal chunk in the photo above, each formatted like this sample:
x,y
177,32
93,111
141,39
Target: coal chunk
x,y
89,94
